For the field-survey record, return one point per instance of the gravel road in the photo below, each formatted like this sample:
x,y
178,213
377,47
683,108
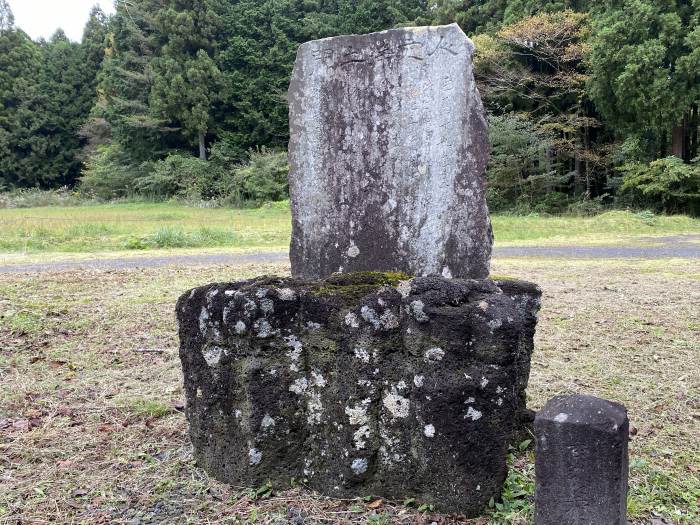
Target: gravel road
x,y
685,246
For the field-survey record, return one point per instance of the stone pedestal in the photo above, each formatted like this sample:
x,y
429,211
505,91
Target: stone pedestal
x,y
581,462
360,383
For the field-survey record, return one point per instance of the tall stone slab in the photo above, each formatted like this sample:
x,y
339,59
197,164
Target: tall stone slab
x,y
387,155
581,462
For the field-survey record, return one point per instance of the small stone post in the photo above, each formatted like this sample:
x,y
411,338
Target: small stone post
x,y
581,462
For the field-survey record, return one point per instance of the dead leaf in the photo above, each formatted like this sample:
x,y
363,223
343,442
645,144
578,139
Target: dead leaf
x,y
65,464
33,413
375,504
21,425
64,410
106,428
58,363
178,404
79,493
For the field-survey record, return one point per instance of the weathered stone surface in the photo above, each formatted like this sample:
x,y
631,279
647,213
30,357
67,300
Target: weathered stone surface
x,y
360,383
581,462
387,156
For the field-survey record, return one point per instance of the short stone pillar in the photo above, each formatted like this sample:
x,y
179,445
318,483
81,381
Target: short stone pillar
x,y
581,462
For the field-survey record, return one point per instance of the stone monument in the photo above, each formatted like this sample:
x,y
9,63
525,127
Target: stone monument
x,y
388,364
387,156
581,462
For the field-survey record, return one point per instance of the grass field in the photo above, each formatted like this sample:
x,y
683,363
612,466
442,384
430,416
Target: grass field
x,y
138,227
91,428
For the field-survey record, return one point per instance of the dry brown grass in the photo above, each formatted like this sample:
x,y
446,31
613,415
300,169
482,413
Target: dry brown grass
x,y
91,428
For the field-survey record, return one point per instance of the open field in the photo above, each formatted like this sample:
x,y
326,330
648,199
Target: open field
x,y
91,428
133,228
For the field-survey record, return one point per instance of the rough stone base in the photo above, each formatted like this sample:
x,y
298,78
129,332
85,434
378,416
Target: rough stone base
x,y
360,383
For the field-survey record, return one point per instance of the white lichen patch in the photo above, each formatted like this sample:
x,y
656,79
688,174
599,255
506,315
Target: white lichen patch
x,y
370,315
296,347
314,407
312,326
484,382
433,355
484,305
263,328
254,456
473,414
267,305
429,431
359,466
561,417
500,389
262,292
299,386
401,385
203,320
240,328
353,250
388,320
397,405
362,354
357,415
229,293
404,288
446,272
495,324
212,355
317,379
417,311
351,320
267,422
286,294
418,381
360,437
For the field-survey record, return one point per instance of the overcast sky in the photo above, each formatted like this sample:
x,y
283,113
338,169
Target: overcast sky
x,y
42,17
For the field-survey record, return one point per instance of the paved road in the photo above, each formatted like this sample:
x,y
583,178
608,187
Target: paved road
x,y
686,246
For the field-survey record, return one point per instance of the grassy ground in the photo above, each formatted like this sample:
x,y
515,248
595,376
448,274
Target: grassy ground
x,y
153,226
91,428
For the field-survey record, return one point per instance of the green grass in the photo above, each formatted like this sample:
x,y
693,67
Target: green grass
x,y
152,226
141,226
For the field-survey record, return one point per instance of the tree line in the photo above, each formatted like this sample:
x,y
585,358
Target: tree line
x,y
591,102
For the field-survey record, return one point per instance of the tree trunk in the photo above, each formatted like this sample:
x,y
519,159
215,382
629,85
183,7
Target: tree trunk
x,y
694,147
202,146
678,140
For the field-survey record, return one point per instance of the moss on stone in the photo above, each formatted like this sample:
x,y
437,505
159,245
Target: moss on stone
x,y
355,285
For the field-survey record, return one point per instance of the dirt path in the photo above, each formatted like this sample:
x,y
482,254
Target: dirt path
x,y
685,247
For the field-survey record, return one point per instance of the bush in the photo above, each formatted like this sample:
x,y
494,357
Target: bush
x,y
667,184
34,198
183,176
262,179
111,174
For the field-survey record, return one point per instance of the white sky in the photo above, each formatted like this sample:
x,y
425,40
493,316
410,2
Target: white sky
x,y
42,17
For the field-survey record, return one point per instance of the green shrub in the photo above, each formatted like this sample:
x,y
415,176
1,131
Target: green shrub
x,y
111,173
667,184
262,179
35,198
183,176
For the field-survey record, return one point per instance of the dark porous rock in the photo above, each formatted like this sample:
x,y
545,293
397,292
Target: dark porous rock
x,y
361,383
581,462
387,155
